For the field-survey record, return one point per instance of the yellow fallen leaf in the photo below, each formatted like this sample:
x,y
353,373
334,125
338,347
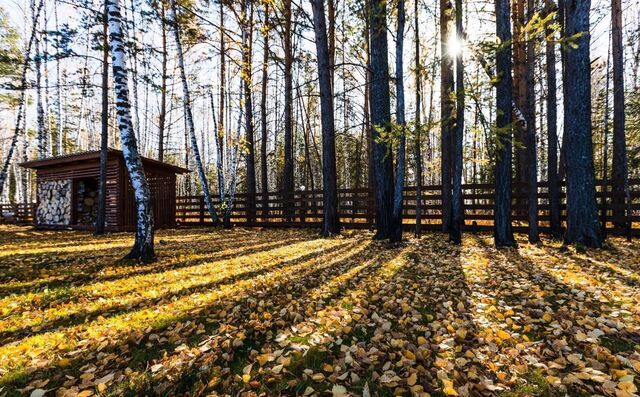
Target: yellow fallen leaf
x,y
412,379
503,335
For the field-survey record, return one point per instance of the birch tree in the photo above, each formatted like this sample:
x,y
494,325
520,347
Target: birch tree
x,y
186,98
143,246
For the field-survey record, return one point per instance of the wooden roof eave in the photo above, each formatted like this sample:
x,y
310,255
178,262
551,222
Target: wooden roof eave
x,y
78,158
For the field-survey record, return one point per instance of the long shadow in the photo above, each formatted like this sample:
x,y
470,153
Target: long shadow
x,y
276,289
76,318
535,292
443,274
91,275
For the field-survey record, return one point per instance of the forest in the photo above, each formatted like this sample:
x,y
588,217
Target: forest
x,y
322,197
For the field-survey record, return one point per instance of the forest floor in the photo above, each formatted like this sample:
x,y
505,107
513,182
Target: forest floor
x,y
283,312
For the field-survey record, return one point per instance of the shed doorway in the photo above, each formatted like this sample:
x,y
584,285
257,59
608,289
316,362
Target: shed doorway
x,y
85,195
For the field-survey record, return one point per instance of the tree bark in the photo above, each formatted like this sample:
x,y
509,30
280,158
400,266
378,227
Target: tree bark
x,y
331,221
552,133
287,177
503,232
446,112
247,64
163,85
619,172
104,133
186,98
42,130
396,227
530,143
582,214
220,133
59,121
418,134
264,171
143,246
455,230
381,118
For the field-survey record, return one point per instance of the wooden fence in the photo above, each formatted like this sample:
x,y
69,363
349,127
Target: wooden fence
x,y
21,214
357,208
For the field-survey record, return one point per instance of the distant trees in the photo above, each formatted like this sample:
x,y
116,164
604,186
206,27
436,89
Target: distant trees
x,y
22,99
186,98
264,133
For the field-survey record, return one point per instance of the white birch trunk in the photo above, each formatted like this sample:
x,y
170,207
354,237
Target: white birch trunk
x,y
143,246
186,98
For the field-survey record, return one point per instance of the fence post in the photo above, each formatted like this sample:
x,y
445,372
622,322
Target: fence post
x,y
201,205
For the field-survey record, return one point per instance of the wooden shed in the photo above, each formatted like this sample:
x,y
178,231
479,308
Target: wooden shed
x,y
67,191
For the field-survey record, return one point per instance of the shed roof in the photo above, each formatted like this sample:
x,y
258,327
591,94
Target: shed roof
x,y
81,157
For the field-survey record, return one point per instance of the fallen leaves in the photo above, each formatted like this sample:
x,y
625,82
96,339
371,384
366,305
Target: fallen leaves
x,y
347,316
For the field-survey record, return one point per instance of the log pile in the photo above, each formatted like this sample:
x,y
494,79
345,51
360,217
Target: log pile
x,y
87,203
54,202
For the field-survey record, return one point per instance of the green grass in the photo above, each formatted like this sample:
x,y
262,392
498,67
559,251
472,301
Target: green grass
x,y
533,384
617,345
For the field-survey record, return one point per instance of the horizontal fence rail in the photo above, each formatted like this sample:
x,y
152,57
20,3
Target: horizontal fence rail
x,y
20,213
356,208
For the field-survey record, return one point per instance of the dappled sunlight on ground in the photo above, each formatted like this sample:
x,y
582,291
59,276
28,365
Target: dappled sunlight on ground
x,y
284,312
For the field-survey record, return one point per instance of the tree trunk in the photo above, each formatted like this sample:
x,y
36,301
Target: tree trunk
x,y
331,221
189,117
396,227
163,85
220,133
143,245
530,143
104,133
455,230
552,133
619,172
59,121
287,177
42,131
247,64
417,144
520,93
264,175
381,119
446,112
502,232
582,214
22,99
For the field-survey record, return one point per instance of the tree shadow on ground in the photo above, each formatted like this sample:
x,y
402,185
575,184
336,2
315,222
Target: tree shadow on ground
x,y
557,307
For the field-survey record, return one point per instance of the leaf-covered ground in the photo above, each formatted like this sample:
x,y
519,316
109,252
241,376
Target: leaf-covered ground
x,y
283,312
